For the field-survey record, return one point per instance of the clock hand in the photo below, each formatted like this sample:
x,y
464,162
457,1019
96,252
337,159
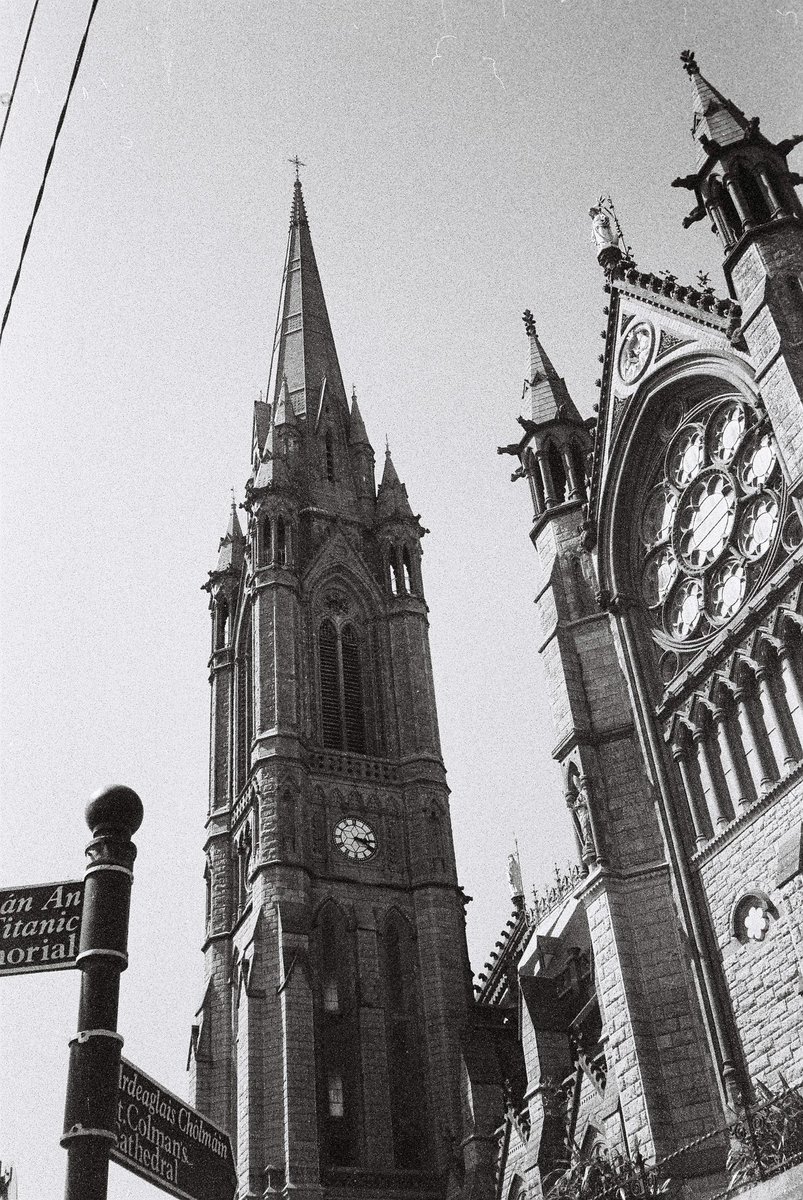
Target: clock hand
x,y
365,841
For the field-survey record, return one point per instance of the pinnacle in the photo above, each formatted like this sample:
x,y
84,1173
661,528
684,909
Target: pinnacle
x,y
389,477
549,397
284,413
232,544
715,118
298,212
357,432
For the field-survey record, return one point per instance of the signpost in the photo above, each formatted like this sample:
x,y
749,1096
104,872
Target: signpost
x,y
113,1111
40,927
163,1140
90,1109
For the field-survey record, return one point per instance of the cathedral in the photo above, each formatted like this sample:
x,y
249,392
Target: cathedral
x,y
638,1027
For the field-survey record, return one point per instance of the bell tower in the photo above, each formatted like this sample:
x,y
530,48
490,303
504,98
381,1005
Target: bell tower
x,y
745,185
337,975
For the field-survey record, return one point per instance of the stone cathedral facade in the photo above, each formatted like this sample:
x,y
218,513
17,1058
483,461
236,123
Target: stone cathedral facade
x,y
644,1003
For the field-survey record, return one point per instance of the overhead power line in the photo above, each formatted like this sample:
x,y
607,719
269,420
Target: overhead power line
x,y
48,164
19,69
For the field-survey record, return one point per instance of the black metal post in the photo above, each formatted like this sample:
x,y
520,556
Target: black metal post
x,y
90,1111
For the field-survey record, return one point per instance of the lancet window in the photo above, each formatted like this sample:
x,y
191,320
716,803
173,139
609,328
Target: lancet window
x,y
245,706
403,1043
337,1040
342,709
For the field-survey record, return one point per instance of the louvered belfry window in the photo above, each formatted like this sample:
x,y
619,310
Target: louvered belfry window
x,y
342,716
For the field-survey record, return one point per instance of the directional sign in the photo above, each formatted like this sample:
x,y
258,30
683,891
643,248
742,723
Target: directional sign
x,y
40,927
163,1140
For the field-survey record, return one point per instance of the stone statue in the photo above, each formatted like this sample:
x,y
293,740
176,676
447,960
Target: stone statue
x,y
606,237
514,877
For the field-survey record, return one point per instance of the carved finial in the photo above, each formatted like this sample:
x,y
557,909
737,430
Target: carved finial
x,y
353,393
296,161
529,323
387,446
689,62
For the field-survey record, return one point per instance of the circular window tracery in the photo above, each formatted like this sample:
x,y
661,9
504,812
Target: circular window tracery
x,y
686,455
725,431
713,513
705,519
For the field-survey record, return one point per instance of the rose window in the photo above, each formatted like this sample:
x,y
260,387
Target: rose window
x,y
711,520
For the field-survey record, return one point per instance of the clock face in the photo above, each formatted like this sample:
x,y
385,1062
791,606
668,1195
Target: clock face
x,y
355,838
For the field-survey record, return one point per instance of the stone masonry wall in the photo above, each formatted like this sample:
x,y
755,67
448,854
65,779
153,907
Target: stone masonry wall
x,y
764,978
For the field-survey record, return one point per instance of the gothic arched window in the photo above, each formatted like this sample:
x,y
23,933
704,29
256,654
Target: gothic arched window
x,y
342,712
267,541
408,574
557,472
244,703
403,1043
337,1040
330,457
280,554
221,624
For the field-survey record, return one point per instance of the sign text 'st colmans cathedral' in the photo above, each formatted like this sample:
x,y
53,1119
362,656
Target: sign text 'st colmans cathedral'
x,y
647,1010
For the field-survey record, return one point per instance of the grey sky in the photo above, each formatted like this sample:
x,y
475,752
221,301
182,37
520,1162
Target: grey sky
x,y
453,151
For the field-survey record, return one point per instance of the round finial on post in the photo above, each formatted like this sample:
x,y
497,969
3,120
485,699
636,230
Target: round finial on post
x,y
114,810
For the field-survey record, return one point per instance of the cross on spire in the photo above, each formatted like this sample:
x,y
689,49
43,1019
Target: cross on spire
x,y
296,161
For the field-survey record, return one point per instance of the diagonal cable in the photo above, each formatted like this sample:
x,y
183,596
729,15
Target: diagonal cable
x,y
19,69
48,164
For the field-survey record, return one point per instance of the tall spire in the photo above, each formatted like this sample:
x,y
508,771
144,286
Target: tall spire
x,y
304,349
714,119
548,395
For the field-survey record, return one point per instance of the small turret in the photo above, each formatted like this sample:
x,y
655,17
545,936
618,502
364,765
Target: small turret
x,y
232,546
401,534
742,180
361,453
556,441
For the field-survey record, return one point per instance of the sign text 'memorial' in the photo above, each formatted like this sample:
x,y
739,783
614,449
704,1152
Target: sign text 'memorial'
x,y
40,927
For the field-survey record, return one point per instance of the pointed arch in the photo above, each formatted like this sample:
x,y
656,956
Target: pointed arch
x,y
340,671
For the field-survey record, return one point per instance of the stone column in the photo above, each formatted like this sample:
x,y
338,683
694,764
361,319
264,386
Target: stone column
x,y
775,730
680,753
716,810
794,697
546,478
754,750
574,492
733,776
735,193
775,205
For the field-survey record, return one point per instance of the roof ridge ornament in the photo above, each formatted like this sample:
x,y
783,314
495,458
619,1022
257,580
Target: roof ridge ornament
x,y
687,57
